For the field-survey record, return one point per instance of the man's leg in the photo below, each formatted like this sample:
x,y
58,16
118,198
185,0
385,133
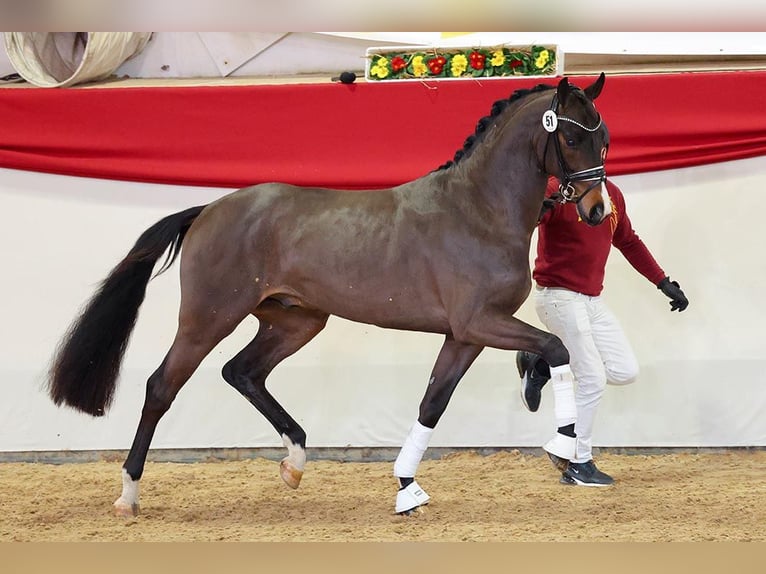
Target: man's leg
x,y
566,314
612,344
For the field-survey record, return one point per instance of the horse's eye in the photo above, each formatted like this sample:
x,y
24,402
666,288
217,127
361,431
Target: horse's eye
x,y
571,142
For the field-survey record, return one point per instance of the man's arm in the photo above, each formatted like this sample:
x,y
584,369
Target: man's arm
x,y
638,255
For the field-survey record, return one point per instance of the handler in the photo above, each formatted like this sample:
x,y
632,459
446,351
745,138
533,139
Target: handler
x,y
569,273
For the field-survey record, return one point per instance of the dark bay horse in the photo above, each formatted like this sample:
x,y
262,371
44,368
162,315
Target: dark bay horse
x,y
447,253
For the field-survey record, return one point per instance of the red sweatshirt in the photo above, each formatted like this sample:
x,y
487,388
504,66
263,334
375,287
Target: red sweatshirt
x,y
573,255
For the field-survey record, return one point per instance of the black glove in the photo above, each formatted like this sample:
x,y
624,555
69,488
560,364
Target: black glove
x,y
677,298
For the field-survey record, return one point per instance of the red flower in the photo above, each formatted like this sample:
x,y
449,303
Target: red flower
x,y
477,60
515,63
436,65
398,64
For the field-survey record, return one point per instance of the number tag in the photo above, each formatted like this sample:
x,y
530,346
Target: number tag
x,y
550,121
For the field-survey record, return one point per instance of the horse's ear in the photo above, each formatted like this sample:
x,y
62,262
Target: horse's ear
x,y
595,88
563,91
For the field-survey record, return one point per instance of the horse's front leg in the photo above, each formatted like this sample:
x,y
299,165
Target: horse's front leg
x,y
451,364
503,332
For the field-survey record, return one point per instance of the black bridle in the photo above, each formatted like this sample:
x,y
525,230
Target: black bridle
x,y
597,174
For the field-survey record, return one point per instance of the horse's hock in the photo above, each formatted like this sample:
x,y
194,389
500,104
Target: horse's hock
x,y
62,59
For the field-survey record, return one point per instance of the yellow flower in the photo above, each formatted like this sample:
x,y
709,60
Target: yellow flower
x,y
498,58
380,68
419,68
542,59
459,64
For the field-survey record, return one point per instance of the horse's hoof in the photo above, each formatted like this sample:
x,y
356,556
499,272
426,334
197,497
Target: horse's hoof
x,y
417,511
125,510
291,475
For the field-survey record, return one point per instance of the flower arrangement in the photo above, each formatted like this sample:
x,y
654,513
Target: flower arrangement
x,y
420,63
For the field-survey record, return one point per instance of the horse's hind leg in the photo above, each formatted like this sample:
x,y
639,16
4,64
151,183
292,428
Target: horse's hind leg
x,y
453,361
194,340
282,331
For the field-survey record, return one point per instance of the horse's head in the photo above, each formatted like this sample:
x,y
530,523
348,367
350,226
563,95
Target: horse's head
x,y
579,138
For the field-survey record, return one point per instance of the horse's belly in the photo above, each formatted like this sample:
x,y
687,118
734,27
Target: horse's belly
x,y
389,311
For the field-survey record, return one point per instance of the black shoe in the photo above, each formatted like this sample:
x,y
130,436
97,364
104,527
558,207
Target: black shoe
x,y
534,373
585,474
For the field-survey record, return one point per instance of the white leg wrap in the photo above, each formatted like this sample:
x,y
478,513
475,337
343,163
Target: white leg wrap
x,y
564,406
411,497
412,452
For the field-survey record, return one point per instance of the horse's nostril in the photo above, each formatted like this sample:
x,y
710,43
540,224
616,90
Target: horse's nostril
x,y
597,213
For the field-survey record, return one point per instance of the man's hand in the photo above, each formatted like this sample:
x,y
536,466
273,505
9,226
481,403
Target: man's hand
x,y
677,298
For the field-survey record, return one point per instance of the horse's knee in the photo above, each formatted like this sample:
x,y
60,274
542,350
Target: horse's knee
x,y
433,405
554,352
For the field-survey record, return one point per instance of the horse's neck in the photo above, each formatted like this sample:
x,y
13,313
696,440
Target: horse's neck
x,y
503,174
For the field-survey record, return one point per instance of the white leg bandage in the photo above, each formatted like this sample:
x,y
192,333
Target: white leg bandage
x,y
565,409
412,452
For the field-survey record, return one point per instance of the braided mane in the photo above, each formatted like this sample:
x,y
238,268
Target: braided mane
x,y
497,108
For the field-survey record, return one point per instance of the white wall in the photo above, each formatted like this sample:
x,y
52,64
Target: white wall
x,y
701,381
702,370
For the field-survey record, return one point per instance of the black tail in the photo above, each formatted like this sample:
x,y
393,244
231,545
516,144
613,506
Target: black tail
x,y
83,373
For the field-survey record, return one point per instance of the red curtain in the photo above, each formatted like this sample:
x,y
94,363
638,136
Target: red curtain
x,y
357,136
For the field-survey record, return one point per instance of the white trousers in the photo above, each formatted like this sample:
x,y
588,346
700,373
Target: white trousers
x,y
598,348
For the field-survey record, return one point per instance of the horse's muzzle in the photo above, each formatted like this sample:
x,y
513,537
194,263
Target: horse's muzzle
x,y
594,216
